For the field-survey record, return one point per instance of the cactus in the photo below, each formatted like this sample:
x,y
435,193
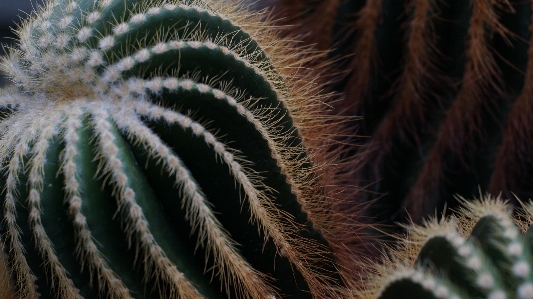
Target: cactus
x,y
156,149
440,87
481,253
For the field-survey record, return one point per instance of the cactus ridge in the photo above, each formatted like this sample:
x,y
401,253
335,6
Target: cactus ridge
x,y
111,125
479,253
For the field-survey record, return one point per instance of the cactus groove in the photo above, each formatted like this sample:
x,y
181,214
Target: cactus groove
x,y
483,252
156,149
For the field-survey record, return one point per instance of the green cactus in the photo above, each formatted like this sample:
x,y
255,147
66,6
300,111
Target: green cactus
x,y
444,92
483,252
156,149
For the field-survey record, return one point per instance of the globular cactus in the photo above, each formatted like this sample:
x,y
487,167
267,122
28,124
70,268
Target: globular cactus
x,y
444,92
156,149
481,253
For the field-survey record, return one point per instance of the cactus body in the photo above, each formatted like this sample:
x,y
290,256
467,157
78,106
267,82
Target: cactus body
x,y
440,89
154,149
481,253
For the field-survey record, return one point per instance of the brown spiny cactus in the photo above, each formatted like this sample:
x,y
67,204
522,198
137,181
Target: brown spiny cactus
x,y
444,90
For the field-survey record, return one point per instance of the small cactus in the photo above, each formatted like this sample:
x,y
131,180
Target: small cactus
x,y
156,149
482,252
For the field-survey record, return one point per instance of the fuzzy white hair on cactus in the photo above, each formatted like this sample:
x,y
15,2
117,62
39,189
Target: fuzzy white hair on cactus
x,y
163,149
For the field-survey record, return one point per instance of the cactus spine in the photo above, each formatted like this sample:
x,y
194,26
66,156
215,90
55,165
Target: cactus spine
x,y
155,149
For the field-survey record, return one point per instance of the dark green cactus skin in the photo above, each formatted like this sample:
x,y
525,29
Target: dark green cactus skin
x,y
218,78
493,262
444,111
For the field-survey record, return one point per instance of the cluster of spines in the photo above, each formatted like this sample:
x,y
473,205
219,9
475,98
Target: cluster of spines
x,y
439,89
68,66
480,253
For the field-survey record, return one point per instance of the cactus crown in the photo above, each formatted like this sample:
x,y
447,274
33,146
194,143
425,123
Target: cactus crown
x,y
118,113
483,252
